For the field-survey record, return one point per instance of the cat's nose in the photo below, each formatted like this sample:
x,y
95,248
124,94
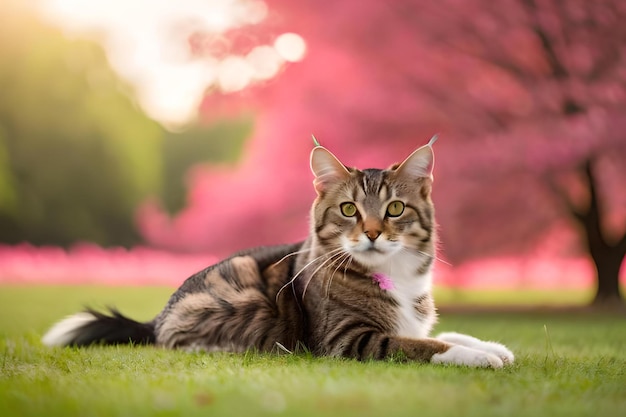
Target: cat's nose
x,y
372,234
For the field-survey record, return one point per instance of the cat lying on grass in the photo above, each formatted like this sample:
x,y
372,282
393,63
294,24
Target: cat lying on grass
x,y
359,286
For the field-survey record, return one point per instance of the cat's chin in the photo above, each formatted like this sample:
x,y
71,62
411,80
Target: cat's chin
x,y
370,255
371,259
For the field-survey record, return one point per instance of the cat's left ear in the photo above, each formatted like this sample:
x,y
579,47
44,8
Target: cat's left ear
x,y
326,168
420,163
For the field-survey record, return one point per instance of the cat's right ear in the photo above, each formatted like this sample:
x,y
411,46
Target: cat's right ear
x,y
326,168
420,163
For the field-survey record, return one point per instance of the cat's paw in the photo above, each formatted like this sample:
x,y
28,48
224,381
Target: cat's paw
x,y
499,350
462,355
494,348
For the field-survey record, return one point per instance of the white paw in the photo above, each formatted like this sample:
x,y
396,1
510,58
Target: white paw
x,y
494,348
461,355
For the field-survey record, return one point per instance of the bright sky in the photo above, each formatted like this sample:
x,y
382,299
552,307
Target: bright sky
x,y
146,43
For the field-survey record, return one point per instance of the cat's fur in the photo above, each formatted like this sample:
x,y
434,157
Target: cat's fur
x,y
323,294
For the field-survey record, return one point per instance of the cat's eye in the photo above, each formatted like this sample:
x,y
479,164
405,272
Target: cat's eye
x,y
395,208
348,209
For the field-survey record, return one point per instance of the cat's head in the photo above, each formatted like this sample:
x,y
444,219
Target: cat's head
x,y
374,214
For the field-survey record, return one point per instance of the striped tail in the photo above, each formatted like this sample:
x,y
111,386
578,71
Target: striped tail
x,y
92,327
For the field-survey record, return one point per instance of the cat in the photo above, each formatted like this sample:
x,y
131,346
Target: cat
x,y
358,287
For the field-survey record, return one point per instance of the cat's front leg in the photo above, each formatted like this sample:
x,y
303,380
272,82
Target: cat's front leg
x,y
440,352
493,348
371,344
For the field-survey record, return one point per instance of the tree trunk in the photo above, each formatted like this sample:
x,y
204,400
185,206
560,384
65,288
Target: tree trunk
x,y
607,257
608,263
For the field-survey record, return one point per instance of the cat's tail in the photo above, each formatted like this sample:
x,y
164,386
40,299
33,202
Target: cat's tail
x,y
92,327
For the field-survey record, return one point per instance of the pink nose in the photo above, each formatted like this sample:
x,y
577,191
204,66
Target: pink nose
x,y
372,234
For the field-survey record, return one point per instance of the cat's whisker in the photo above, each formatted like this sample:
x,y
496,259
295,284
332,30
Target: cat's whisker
x,y
438,259
289,255
341,260
428,255
348,256
335,260
336,256
292,280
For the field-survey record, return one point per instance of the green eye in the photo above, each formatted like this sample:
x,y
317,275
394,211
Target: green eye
x,y
395,208
348,209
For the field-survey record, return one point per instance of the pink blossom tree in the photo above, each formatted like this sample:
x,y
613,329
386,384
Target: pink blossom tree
x,y
529,96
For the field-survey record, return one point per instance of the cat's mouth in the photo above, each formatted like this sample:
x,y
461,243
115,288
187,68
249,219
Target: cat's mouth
x,y
371,253
373,249
370,256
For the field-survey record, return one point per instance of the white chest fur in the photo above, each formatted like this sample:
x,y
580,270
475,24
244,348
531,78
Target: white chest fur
x,y
408,286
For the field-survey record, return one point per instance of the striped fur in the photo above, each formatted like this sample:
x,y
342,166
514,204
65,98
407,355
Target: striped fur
x,y
319,294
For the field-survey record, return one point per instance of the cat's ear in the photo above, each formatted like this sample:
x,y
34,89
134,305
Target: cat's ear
x,y
420,163
326,168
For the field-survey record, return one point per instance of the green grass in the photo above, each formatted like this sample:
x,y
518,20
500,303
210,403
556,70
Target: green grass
x,y
506,298
568,364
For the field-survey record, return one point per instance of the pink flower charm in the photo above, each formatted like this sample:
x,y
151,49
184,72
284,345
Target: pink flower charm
x,y
383,281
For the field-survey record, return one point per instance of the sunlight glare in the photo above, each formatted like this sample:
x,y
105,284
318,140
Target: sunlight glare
x,y
252,12
290,46
174,94
234,74
265,62
146,42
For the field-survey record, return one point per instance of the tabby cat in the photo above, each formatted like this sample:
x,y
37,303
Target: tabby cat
x,y
359,286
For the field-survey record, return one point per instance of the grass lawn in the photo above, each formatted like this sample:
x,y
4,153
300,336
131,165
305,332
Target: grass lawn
x,y
568,364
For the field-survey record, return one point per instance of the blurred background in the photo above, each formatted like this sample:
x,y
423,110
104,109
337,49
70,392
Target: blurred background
x,y
141,140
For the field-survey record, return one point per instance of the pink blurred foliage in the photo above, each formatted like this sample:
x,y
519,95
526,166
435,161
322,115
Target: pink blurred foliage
x,y
266,198
518,273
90,264
379,79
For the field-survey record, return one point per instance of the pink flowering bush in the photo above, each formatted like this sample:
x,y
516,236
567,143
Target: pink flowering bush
x,y
91,264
